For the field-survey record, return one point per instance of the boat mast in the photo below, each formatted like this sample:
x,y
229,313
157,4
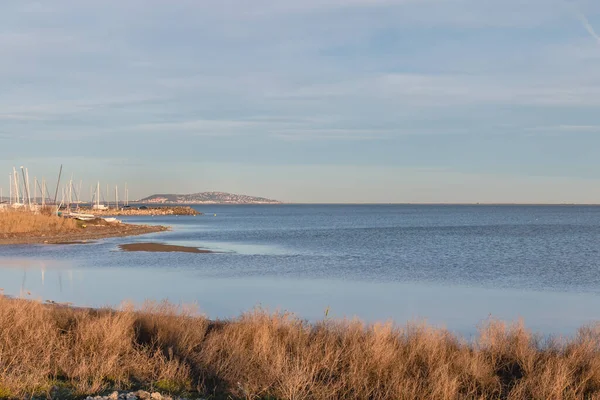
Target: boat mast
x,y
25,191
16,179
79,193
68,193
28,188
57,184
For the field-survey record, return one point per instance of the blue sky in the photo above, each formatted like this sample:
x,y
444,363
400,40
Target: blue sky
x,y
312,101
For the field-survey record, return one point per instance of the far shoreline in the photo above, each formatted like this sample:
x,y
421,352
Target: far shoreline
x,y
367,204
430,204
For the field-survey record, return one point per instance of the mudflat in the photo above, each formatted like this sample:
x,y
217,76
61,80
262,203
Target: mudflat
x,y
161,247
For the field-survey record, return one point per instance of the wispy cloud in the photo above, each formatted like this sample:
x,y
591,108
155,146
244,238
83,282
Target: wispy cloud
x,y
331,134
279,82
444,90
584,21
294,7
44,111
202,127
284,128
565,128
19,117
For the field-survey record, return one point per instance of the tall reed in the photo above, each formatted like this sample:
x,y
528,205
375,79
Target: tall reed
x,y
24,221
279,356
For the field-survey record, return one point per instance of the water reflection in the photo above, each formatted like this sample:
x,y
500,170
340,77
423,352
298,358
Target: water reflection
x,y
31,272
460,309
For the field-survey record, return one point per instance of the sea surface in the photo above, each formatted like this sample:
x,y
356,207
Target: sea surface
x,y
454,266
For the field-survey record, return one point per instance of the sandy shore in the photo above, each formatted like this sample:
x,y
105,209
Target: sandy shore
x,y
92,231
160,247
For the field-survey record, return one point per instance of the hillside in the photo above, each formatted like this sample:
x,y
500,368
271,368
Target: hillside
x,y
207,198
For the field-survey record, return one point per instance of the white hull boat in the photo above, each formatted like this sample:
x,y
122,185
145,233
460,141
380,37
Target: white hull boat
x,y
81,216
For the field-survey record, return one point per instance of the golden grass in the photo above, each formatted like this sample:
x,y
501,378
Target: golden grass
x,y
21,221
278,356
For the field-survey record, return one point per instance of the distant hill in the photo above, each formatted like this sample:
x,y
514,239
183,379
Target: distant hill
x,y
207,198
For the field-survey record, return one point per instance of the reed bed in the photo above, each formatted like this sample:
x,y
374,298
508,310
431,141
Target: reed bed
x,y
14,221
262,355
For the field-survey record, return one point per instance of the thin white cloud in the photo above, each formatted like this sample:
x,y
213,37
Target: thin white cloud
x,y
259,7
200,126
288,129
584,21
35,7
444,90
19,117
331,134
566,128
35,41
41,111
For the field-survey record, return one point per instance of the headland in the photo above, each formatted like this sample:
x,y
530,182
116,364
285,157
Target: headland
x,y
207,198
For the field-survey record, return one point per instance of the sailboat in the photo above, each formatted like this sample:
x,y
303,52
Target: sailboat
x,y
99,206
80,216
76,215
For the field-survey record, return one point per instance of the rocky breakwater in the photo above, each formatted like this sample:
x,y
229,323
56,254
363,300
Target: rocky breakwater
x,y
146,210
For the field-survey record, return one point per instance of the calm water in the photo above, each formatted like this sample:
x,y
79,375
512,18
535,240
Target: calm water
x,y
451,265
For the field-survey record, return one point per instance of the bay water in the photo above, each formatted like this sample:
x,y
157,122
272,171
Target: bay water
x,y
454,266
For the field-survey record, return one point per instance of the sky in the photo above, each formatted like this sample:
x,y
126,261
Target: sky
x,y
317,101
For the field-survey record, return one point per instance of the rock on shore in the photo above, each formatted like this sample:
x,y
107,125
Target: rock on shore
x,y
138,395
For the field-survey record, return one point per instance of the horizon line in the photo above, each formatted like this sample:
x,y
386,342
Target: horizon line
x,y
396,203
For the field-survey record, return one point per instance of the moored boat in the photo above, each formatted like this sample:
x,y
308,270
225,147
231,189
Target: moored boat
x,y
80,216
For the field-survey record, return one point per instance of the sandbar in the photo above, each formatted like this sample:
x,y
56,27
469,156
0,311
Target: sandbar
x,y
161,247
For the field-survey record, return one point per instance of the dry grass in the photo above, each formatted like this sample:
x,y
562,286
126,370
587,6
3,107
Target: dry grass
x,y
20,221
277,356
